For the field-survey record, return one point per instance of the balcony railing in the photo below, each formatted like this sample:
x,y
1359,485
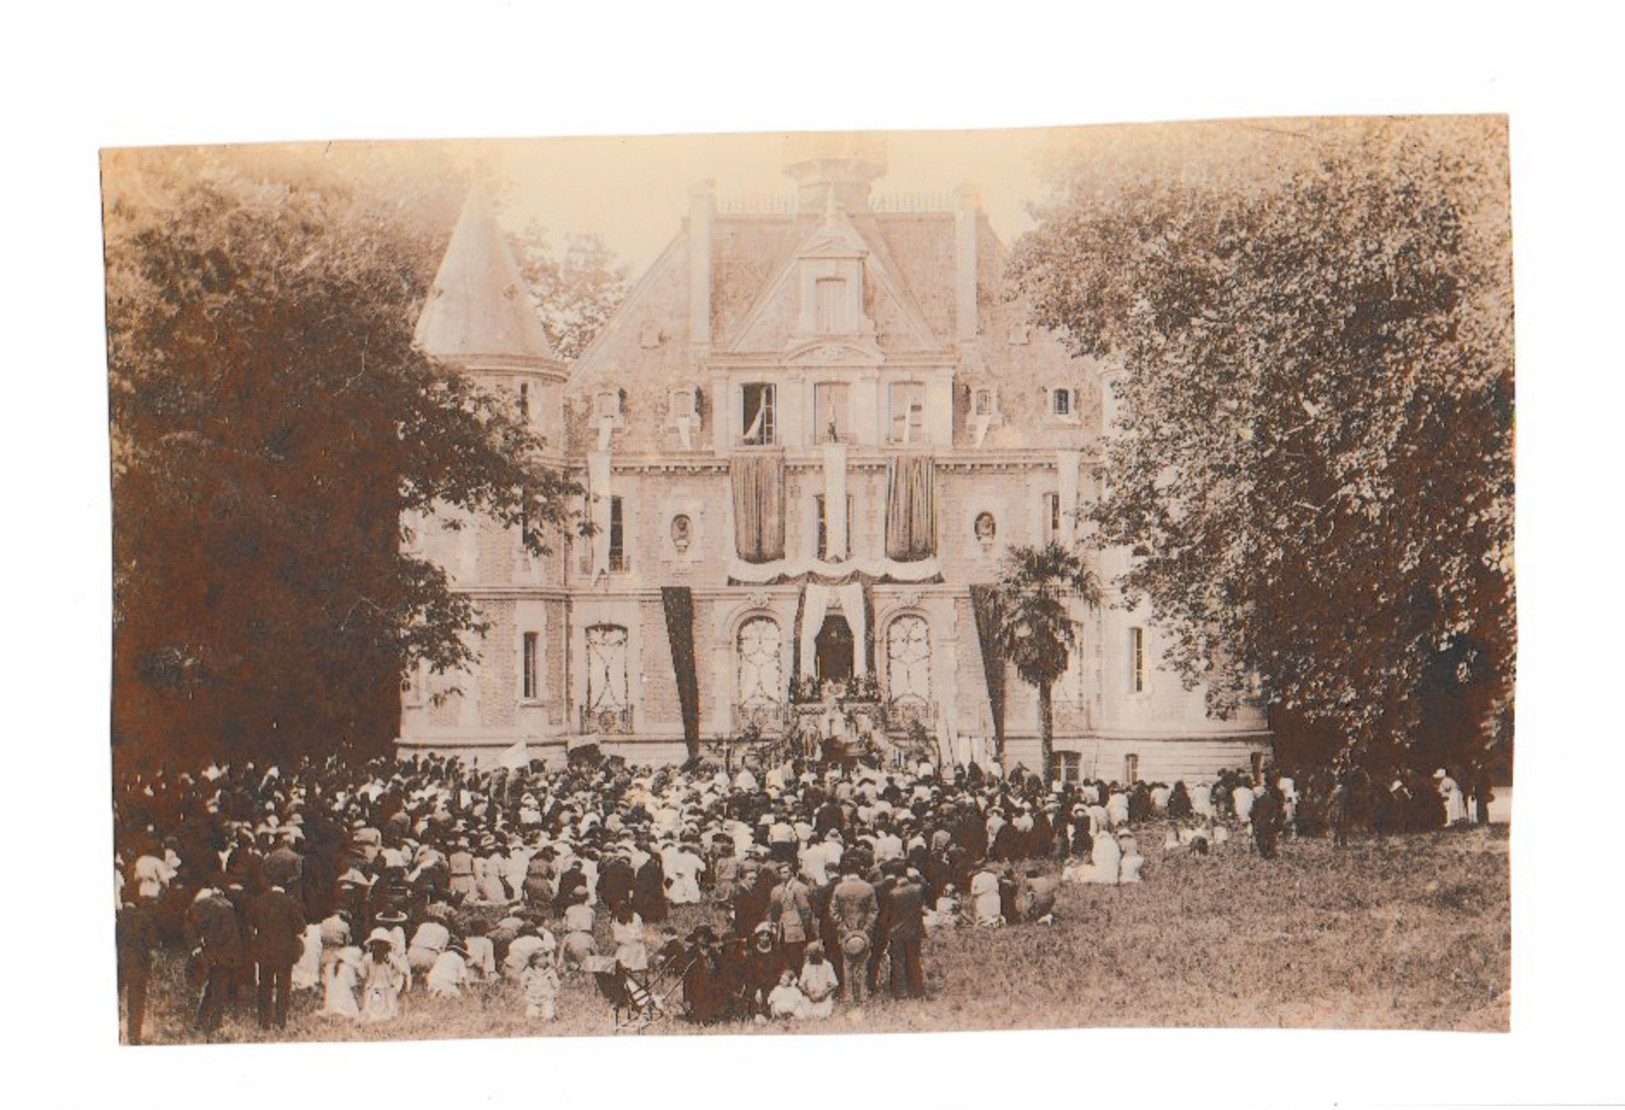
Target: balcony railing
x,y
607,722
903,713
771,718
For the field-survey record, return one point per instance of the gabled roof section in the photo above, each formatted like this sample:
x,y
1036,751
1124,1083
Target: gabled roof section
x,y
479,304
650,299
836,235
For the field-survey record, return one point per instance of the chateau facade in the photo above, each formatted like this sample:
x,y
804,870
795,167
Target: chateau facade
x,y
809,435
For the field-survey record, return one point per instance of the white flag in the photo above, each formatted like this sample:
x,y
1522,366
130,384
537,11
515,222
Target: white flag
x,y
515,757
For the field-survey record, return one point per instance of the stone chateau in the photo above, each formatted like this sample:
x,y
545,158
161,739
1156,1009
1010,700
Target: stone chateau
x,y
809,433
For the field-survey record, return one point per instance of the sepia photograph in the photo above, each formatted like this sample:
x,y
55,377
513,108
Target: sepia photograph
x,y
809,582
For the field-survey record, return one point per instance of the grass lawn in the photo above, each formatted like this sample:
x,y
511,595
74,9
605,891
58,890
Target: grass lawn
x,y
1408,933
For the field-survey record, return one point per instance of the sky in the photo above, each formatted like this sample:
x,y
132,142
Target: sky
x,y
633,191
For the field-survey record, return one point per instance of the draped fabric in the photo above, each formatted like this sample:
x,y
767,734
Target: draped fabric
x,y
815,599
758,481
1066,464
678,602
599,470
835,538
911,511
857,617
984,601
741,572
815,604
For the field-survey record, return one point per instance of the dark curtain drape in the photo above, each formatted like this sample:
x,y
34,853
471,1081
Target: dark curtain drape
x,y
678,602
985,603
911,509
758,481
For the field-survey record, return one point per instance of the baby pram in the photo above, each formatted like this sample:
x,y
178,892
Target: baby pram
x,y
637,999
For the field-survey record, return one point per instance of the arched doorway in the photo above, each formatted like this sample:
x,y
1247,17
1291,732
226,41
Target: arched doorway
x,y
835,648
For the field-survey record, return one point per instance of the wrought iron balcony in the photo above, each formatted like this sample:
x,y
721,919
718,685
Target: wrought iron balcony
x,y
771,718
607,722
904,712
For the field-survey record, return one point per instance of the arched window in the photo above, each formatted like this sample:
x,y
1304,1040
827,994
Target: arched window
x,y
761,662
609,700
908,661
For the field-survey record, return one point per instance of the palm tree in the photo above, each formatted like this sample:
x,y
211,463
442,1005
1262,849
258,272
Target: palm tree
x,y
1035,630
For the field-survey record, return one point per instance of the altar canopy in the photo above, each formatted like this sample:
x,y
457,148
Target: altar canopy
x,y
758,488
816,600
911,510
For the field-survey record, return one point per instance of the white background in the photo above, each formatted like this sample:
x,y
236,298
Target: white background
x,y
192,73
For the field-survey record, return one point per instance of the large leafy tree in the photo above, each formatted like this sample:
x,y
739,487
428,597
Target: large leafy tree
x,y
271,422
1313,453
1034,627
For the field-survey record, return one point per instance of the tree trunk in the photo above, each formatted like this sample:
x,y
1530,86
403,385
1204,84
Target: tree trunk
x,y
1046,732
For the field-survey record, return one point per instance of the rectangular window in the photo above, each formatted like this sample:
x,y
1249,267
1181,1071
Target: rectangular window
x,y
823,524
984,402
1131,769
760,422
907,412
833,318
1136,661
1052,517
1068,766
617,536
1062,400
682,404
832,411
608,403
524,403
530,667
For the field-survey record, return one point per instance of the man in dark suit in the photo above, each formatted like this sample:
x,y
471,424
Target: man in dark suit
x,y
905,929
278,923
216,945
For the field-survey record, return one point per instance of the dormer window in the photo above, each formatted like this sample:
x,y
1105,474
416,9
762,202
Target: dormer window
x,y
833,307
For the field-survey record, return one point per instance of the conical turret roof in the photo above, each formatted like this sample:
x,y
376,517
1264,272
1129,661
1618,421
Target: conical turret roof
x,y
479,304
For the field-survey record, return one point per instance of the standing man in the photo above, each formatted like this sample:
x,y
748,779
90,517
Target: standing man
x,y
278,926
1266,817
905,931
137,937
216,944
854,912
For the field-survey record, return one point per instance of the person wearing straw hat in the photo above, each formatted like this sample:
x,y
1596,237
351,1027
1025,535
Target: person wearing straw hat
x,y
383,977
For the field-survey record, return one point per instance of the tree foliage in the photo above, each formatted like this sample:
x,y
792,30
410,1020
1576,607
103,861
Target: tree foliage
x,y
1313,452
1035,628
575,290
271,421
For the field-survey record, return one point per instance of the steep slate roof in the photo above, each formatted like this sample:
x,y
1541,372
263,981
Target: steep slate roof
x,y
479,304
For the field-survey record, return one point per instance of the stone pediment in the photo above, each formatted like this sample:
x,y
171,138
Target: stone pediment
x,y
826,351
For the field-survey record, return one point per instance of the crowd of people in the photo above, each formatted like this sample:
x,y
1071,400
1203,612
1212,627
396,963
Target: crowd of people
x,y
816,883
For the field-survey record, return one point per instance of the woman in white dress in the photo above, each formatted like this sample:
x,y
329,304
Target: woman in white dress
x,y
1455,804
984,892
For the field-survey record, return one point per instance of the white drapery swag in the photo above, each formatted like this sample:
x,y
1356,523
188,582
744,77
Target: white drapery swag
x,y
837,574
599,470
815,607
